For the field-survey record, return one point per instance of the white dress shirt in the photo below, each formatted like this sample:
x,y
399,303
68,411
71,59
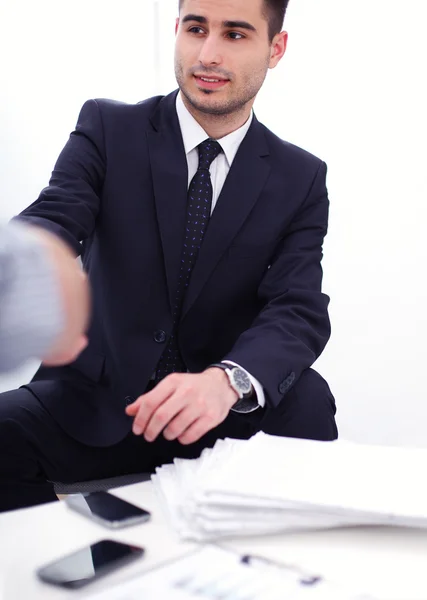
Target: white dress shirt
x,y
193,134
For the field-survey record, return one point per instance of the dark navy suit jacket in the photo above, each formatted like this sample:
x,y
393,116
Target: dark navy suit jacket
x,y
118,196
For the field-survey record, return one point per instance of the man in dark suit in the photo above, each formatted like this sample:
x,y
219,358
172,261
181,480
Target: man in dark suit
x,y
202,233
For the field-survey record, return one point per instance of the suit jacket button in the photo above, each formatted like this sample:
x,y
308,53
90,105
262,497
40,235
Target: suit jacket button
x,y
129,400
159,336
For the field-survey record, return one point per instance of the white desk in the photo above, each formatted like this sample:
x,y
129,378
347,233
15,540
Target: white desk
x,y
388,562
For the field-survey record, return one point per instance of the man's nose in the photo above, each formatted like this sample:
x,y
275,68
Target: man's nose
x,y
210,52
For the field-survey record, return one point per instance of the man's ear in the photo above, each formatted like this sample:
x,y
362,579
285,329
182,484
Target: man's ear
x,y
278,48
176,25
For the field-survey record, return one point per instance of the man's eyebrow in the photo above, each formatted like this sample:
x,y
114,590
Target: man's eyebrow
x,y
225,24
238,25
196,18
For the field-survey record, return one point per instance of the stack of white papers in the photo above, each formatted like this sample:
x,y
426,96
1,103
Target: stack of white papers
x,y
270,484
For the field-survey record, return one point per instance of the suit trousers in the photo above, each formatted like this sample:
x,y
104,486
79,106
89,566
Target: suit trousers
x,y
35,450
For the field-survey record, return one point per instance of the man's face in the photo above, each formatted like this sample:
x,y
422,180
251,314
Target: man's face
x,y
222,53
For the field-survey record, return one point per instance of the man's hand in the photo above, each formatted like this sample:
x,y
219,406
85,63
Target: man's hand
x,y
184,406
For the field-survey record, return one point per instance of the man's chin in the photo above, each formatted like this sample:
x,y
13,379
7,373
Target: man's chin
x,y
207,103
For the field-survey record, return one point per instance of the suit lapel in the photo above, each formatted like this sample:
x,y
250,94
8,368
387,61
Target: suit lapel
x,y
170,180
244,184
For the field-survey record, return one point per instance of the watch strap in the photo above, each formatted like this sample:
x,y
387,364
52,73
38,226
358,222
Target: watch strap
x,y
220,365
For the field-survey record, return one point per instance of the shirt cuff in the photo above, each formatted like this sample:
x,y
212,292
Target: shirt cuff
x,y
256,384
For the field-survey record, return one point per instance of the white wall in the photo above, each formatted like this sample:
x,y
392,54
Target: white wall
x,y
350,90
353,93
55,55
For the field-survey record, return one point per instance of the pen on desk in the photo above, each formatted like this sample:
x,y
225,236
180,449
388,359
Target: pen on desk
x,y
254,560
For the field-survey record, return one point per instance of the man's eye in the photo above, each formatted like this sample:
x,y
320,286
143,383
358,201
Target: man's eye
x,y
196,30
234,35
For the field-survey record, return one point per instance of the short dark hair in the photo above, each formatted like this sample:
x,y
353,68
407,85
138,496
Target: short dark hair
x,y
274,12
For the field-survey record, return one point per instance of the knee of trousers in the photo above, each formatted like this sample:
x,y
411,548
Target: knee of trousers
x,y
18,420
306,410
17,457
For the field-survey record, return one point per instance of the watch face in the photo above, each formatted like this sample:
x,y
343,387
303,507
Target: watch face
x,y
242,381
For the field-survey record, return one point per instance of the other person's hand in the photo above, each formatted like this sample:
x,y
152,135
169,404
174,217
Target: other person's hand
x,y
184,406
75,299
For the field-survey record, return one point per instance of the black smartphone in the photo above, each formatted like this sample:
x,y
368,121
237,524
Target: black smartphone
x,y
87,564
107,509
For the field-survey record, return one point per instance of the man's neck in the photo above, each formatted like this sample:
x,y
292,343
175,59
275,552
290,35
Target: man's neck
x,y
218,126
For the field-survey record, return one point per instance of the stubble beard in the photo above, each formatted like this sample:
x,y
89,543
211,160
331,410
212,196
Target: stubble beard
x,y
224,109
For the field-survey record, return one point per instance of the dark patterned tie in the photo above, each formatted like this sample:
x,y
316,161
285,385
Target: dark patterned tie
x,y
199,205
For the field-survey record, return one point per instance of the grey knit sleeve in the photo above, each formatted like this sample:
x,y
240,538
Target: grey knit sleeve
x,y
31,314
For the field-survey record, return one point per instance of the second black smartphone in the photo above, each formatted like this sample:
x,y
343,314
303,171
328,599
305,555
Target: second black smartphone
x,y
107,509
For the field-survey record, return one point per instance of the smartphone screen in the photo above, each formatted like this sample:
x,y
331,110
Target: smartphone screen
x,y
107,509
89,563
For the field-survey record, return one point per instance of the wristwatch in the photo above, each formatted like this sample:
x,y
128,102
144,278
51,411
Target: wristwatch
x,y
241,384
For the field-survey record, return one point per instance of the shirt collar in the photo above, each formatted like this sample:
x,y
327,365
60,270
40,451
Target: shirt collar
x,y
193,134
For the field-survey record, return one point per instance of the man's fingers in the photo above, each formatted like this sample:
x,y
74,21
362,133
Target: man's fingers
x,y
164,415
197,430
180,423
151,402
148,405
132,409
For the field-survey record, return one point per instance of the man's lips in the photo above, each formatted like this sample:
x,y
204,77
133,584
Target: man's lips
x,y
211,82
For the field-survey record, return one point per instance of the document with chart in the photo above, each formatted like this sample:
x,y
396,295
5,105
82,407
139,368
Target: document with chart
x,y
213,573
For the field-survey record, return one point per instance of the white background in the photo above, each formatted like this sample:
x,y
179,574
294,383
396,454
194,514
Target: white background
x,y
350,89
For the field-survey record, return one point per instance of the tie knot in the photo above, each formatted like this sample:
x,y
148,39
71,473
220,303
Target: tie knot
x,y
208,151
